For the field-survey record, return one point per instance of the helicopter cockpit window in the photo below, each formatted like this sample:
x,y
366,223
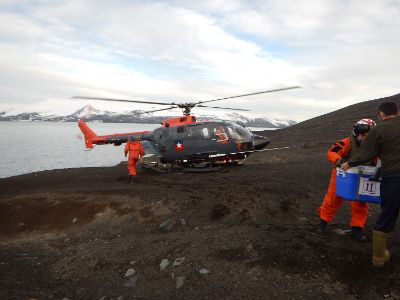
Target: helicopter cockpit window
x,y
241,135
235,135
240,132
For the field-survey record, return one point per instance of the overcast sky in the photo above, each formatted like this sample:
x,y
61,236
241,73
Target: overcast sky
x,y
340,52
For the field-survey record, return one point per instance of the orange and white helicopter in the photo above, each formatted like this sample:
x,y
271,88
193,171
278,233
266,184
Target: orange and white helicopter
x,y
183,140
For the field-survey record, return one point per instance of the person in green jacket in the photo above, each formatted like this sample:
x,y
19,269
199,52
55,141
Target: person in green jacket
x,y
383,141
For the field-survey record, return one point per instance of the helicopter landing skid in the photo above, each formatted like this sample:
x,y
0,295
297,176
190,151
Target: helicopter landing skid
x,y
201,167
154,169
202,170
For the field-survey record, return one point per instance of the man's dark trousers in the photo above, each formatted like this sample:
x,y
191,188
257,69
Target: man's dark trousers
x,y
390,195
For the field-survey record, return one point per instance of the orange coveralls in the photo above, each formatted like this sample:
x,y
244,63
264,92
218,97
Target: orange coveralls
x,y
331,202
135,151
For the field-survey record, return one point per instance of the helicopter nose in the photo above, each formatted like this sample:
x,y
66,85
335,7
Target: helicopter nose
x,y
260,142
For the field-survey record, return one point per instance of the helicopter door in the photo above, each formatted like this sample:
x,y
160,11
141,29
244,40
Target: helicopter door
x,y
163,142
219,141
174,144
198,141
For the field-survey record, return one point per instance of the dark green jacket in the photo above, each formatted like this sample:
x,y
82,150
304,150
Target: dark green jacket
x,y
382,141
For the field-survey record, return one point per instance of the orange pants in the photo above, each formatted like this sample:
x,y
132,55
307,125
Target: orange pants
x,y
327,211
131,165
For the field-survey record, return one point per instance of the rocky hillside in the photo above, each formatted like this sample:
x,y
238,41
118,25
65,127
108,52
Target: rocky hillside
x,y
334,125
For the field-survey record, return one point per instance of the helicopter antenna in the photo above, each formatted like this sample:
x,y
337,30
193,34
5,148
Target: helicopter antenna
x,y
187,107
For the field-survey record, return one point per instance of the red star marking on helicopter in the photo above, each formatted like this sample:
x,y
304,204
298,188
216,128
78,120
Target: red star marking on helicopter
x,y
179,146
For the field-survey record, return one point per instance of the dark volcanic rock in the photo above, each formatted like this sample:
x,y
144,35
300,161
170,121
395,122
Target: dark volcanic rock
x,y
269,203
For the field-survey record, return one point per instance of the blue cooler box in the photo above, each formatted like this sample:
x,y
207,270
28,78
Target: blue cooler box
x,y
355,184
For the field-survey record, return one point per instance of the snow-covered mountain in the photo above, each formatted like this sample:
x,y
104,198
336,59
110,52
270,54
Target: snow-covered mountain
x,y
259,122
89,113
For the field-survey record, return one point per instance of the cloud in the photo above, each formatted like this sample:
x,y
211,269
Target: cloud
x,y
339,52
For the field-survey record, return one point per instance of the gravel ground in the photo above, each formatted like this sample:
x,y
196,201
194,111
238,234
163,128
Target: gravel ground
x,y
74,233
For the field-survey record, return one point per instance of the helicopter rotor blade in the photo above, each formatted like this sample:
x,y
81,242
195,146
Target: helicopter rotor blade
x,y
151,111
122,100
223,107
186,106
251,94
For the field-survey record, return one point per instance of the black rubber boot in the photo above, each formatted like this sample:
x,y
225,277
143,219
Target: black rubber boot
x,y
323,226
357,234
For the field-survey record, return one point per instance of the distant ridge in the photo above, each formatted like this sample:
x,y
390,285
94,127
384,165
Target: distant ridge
x,y
328,128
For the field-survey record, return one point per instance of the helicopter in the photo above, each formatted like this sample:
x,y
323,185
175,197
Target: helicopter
x,y
184,141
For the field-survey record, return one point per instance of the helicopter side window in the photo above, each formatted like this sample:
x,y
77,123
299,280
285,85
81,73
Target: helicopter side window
x,y
198,132
180,129
205,133
194,132
157,133
165,133
221,135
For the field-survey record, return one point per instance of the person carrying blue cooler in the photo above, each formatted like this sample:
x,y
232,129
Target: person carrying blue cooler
x,y
383,141
338,153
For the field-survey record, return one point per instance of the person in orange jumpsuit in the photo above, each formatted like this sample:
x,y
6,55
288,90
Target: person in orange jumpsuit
x,y
339,153
135,150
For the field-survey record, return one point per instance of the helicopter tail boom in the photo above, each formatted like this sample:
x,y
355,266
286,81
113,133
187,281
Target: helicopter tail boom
x,y
117,139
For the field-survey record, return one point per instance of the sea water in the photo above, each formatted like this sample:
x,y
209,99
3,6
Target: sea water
x,y
36,146
27,147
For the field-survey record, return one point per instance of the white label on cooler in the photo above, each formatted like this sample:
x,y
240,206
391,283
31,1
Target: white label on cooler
x,y
340,172
369,188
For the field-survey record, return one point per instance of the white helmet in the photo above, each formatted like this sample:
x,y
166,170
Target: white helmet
x,y
363,126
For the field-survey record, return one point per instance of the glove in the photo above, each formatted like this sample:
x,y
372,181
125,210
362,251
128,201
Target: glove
x,y
339,162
